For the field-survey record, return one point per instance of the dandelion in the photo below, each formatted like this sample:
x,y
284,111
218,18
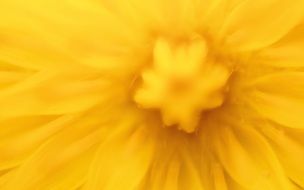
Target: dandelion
x,y
151,94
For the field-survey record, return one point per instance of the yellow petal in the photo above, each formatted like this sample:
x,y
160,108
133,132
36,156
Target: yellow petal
x,y
232,184
213,14
123,160
168,17
279,98
11,77
5,177
62,37
257,24
219,177
45,93
288,84
249,159
61,162
287,111
190,174
165,175
286,53
289,150
21,136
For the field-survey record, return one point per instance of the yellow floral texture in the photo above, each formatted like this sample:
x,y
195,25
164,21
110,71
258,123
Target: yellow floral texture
x,y
151,94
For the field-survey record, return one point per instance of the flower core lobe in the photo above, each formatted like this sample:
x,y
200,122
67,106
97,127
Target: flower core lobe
x,y
182,83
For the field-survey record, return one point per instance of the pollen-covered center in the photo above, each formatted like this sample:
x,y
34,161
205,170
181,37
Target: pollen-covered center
x,y
182,83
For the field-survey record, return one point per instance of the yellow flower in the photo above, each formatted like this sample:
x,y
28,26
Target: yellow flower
x,y
151,94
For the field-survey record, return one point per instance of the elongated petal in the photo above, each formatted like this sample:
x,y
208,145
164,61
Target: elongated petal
x,y
21,136
165,173
191,174
279,94
213,14
257,24
289,150
286,53
46,93
123,160
274,108
62,37
168,17
287,84
249,160
61,162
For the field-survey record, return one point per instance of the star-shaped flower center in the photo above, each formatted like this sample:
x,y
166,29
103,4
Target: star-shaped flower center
x,y
182,82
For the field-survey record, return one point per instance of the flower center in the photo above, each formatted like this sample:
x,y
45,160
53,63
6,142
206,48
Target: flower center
x,y
182,83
